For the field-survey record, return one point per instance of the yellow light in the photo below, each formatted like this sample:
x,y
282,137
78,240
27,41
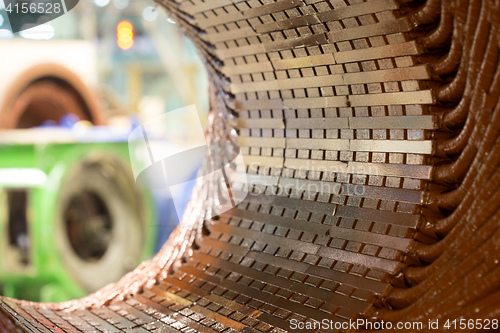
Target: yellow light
x,y
125,45
125,38
125,35
124,24
125,31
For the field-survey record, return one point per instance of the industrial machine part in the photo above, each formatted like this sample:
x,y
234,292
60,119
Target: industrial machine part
x,y
84,222
73,219
370,130
49,85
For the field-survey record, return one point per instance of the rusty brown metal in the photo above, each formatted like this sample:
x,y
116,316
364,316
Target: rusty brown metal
x,y
370,133
47,92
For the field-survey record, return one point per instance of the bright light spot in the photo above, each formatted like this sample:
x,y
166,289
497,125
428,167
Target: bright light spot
x,y
22,176
125,35
101,3
125,31
1,19
150,13
121,4
4,33
125,38
124,25
125,45
39,32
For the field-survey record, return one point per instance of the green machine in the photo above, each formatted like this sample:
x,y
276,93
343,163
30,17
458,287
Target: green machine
x,y
72,218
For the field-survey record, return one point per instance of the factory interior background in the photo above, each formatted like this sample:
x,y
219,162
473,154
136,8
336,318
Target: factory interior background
x,y
348,178
72,218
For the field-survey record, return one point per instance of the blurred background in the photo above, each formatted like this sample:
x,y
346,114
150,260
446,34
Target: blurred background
x,y
72,218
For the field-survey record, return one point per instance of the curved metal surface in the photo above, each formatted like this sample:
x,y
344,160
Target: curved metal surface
x,y
48,92
369,130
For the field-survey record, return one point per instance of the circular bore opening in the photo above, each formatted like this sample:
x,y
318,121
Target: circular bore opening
x,y
48,99
89,225
99,231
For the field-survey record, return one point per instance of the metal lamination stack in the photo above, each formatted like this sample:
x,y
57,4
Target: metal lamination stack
x,y
369,132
